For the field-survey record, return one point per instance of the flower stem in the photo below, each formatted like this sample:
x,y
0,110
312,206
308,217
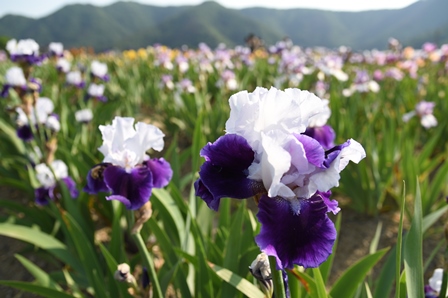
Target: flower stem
x,y
148,262
277,279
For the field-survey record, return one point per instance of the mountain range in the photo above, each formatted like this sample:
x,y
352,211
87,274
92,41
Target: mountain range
x,y
127,25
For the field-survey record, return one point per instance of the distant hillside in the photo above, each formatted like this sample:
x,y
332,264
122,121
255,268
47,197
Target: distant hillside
x,y
125,25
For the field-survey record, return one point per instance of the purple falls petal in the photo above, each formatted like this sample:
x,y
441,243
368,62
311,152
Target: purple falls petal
x,y
95,179
332,205
304,239
225,171
5,90
71,186
161,172
132,189
325,135
41,196
25,133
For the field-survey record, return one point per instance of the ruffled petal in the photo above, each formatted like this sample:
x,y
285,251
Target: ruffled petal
x,y
304,239
135,187
161,172
224,174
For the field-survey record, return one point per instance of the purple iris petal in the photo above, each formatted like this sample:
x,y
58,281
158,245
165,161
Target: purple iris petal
x,y
41,196
313,150
330,155
5,90
95,179
71,186
305,239
25,133
332,205
161,172
132,189
325,135
225,171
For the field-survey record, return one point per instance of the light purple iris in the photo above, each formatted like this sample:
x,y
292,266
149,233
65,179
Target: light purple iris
x,y
265,152
127,171
423,110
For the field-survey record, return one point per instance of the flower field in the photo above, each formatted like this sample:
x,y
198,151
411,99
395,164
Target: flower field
x,y
223,172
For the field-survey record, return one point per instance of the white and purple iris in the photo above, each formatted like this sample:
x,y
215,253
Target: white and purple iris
x,y
127,171
41,114
96,91
48,179
265,152
24,50
99,70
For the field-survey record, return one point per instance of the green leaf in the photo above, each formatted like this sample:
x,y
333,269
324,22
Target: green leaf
x,y
241,284
433,217
36,289
387,276
413,252
233,247
347,284
42,278
320,285
40,239
325,268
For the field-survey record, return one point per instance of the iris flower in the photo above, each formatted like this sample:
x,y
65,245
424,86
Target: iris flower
x,y
127,172
424,110
24,50
41,114
14,78
265,153
48,179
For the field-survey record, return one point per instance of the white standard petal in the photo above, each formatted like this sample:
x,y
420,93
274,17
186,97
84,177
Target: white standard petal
x,y
98,69
428,121
125,146
60,169
274,163
321,118
353,152
53,123
44,107
265,111
95,90
14,76
435,282
44,175
84,115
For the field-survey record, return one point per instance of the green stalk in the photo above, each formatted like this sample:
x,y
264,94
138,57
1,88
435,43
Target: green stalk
x,y
277,279
148,262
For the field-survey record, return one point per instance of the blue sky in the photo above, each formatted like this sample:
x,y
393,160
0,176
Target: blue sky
x,y
36,9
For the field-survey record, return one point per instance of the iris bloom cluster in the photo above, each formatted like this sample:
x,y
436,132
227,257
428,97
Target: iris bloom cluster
x,y
127,172
266,153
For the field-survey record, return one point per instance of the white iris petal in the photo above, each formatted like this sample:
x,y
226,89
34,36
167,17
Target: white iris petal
x,y
126,146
